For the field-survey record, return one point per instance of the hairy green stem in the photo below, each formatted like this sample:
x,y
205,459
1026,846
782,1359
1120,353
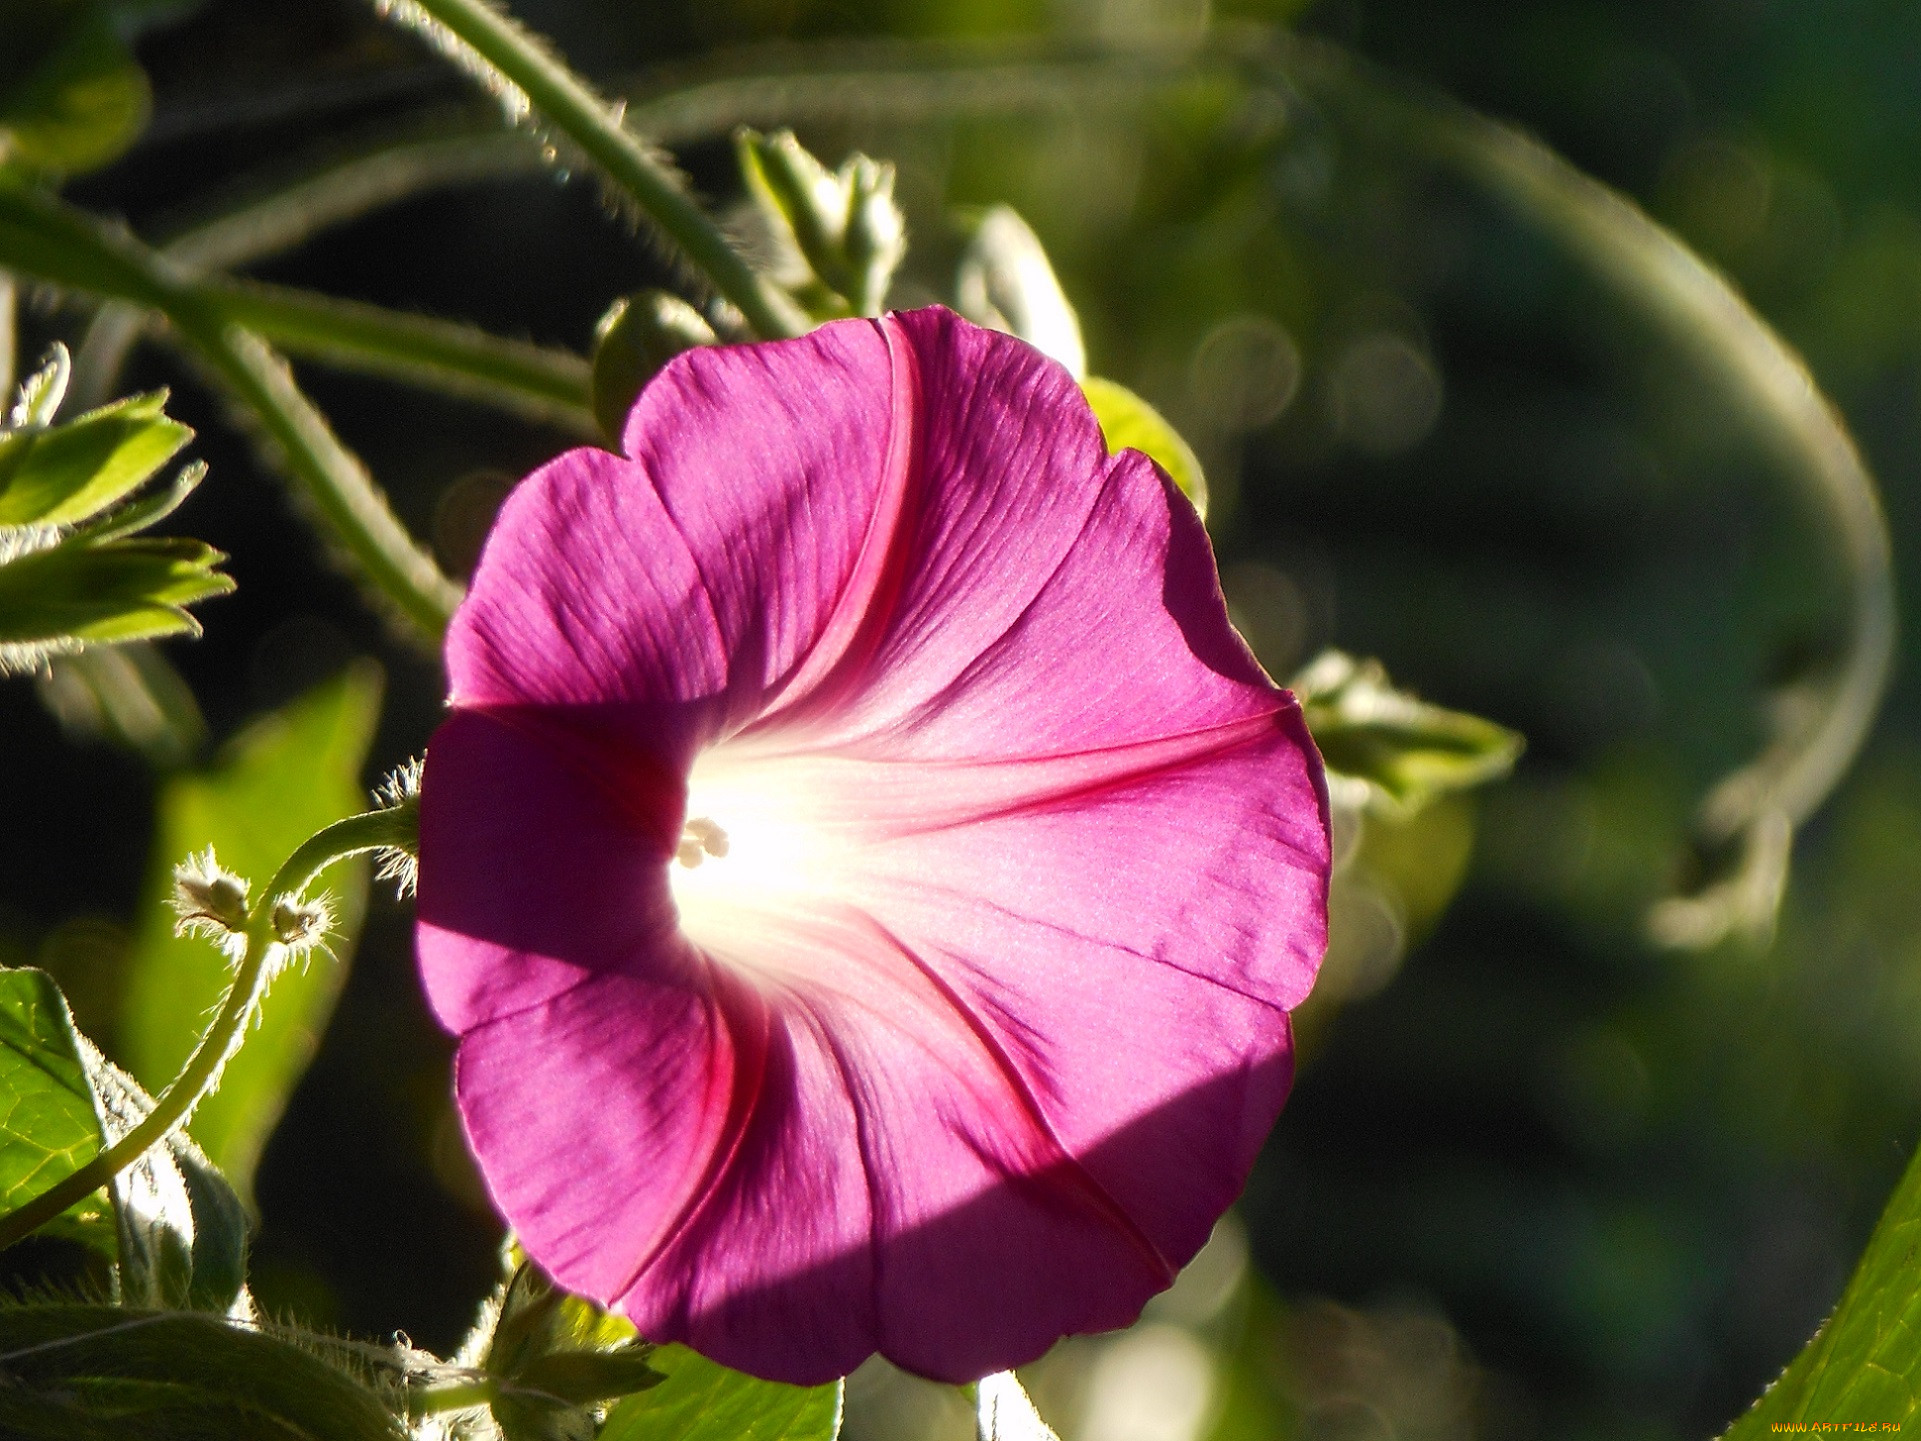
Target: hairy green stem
x,y
543,383
369,831
41,235
333,478
569,104
540,382
444,1396
275,217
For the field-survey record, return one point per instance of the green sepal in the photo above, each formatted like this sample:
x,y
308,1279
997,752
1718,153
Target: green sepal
x,y
556,1357
72,96
83,593
1130,423
71,472
843,224
1384,747
637,336
104,1373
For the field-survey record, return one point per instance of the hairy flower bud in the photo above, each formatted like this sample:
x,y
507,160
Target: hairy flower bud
x,y
210,901
300,924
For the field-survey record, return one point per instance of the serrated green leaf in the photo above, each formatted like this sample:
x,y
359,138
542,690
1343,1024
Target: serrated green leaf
x,y
1864,1365
1385,746
703,1401
122,590
280,781
144,511
76,470
1130,423
48,1129
72,97
76,1371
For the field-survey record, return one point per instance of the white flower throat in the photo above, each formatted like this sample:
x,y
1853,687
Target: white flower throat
x,y
761,845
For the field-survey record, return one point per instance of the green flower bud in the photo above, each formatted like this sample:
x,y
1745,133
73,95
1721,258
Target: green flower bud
x,y
639,334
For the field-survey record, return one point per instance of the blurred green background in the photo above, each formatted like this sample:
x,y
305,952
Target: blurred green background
x,y
1539,1178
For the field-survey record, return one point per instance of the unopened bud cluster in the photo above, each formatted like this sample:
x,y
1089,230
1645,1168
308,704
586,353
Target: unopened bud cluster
x,y
844,223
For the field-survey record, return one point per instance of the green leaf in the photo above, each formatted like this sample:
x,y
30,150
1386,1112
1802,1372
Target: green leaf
x,y
69,574
1864,1365
278,782
90,1373
177,1233
1387,748
72,97
72,471
703,1401
123,590
1130,423
48,1128
147,510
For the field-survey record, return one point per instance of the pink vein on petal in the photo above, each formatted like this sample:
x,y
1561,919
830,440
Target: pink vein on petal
x,y
855,626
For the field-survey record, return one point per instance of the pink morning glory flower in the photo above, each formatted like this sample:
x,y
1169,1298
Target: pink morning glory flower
x,y
866,873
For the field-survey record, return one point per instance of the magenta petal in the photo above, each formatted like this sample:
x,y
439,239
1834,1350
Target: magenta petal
x,y
963,1012
693,578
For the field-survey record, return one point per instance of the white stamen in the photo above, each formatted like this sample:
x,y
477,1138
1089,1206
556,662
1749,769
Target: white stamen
x,y
700,838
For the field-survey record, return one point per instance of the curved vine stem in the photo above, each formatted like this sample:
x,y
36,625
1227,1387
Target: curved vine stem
x,y
1756,809
369,831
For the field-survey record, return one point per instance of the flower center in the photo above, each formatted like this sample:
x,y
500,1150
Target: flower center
x,y
699,839
763,848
